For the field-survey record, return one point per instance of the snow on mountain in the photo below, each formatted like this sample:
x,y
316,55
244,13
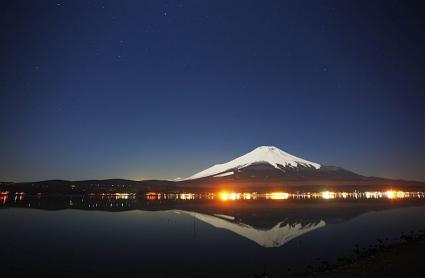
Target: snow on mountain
x,y
224,174
264,154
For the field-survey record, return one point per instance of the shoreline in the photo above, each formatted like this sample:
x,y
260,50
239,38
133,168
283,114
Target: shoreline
x,y
381,260
394,260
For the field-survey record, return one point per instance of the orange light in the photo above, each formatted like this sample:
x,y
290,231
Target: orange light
x,y
391,194
224,196
153,196
3,198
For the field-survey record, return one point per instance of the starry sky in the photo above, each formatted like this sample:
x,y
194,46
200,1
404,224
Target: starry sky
x,y
163,89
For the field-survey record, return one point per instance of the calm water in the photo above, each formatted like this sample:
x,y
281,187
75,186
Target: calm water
x,y
125,236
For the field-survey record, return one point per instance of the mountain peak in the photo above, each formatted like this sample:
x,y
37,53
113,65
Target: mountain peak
x,y
266,148
269,149
263,154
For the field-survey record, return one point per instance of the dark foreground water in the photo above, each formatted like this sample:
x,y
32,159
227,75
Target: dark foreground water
x,y
122,236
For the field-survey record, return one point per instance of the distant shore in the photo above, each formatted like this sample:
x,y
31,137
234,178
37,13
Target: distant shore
x,y
208,185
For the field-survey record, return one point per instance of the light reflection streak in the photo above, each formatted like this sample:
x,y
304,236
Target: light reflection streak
x,y
223,196
187,196
324,195
328,195
3,198
233,196
277,196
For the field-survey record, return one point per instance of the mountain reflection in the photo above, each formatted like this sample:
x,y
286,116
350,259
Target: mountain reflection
x,y
278,235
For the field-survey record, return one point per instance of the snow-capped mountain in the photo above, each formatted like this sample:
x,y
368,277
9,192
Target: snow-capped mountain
x,y
268,162
270,155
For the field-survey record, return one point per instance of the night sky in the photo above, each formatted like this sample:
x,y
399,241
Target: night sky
x,y
163,89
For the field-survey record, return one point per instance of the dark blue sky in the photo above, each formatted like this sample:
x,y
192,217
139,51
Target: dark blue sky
x,y
143,89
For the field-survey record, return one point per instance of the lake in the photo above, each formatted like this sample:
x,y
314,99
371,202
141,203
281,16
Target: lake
x,y
197,235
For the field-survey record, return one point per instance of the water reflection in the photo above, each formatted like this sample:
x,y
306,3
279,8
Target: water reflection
x,y
268,219
3,198
276,236
241,231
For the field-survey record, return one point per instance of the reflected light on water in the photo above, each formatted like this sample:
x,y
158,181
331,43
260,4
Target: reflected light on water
x,y
328,195
122,196
3,196
186,196
153,196
277,196
249,196
224,196
125,199
324,195
397,194
390,194
235,196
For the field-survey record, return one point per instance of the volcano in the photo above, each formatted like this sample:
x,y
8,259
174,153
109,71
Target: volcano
x,y
271,162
